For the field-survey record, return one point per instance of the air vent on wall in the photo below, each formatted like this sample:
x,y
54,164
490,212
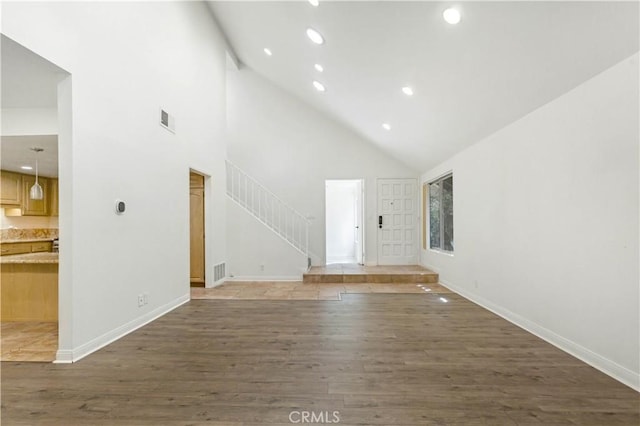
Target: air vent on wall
x,y
167,121
219,272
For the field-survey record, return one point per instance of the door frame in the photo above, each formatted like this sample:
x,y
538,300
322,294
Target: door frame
x,y
205,182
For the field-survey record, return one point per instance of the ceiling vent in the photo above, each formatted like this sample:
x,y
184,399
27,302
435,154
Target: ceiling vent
x,y
167,121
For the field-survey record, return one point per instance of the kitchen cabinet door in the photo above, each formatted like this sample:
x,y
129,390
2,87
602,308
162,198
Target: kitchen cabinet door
x,y
35,207
11,188
53,197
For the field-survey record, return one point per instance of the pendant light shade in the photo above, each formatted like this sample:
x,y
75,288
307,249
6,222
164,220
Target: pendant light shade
x,y
36,193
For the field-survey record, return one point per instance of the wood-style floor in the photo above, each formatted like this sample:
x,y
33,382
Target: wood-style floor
x,y
376,359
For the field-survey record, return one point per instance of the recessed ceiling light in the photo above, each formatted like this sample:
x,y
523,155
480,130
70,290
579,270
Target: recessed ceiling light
x,y
268,51
314,3
318,67
386,126
451,15
26,168
407,91
319,86
315,36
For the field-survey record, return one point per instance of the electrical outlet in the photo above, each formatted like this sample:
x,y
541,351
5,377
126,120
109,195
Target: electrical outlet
x,y
140,300
262,266
475,284
145,297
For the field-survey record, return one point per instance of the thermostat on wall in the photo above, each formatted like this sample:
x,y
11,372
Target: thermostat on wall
x,y
120,206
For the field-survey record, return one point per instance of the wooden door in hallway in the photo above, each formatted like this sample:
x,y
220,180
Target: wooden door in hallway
x,y
397,222
196,225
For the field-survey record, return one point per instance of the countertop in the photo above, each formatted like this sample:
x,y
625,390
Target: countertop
x,y
44,257
32,240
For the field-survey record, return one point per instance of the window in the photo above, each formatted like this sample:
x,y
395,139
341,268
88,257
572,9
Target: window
x,y
441,214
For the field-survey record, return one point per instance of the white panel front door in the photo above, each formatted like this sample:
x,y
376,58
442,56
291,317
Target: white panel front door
x,y
397,236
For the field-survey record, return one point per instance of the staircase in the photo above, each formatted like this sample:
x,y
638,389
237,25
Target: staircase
x,y
266,207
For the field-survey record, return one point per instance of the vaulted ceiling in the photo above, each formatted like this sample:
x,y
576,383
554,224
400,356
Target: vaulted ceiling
x,y
502,61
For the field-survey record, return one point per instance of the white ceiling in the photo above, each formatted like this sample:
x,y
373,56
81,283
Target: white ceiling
x,y
502,61
28,81
15,152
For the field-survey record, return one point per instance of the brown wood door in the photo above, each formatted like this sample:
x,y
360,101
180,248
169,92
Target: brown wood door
x,y
196,224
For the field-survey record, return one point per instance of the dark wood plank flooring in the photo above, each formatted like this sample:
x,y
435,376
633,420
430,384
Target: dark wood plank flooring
x,y
377,359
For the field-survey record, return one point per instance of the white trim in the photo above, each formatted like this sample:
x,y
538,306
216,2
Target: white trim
x,y
605,365
439,251
265,278
439,177
66,356
216,283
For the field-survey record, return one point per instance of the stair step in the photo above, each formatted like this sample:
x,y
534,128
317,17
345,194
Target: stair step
x,y
352,274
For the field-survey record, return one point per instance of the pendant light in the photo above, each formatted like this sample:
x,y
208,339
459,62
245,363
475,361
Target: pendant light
x,y
36,193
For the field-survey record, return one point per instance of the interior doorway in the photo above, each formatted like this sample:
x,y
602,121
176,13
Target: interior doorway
x,y
196,229
344,212
35,144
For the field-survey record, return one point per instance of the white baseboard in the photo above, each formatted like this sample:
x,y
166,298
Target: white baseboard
x,y
265,278
605,365
216,283
65,356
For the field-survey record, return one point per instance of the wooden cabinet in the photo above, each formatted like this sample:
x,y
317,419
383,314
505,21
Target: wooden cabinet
x,y
11,188
26,247
15,248
29,292
42,246
35,207
53,197
15,195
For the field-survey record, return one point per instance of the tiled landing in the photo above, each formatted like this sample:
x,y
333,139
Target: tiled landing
x,y
299,291
29,341
351,274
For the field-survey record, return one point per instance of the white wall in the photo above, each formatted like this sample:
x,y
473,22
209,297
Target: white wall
x,y
127,60
292,149
258,254
546,222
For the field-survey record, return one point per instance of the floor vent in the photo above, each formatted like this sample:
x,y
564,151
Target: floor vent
x,y
219,272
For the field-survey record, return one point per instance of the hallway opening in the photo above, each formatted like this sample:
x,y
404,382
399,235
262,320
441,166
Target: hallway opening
x,y
344,221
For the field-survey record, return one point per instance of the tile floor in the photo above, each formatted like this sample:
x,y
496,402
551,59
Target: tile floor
x,y
350,273
296,290
348,268
29,341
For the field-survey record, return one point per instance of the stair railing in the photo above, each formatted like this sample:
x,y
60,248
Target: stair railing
x,y
265,206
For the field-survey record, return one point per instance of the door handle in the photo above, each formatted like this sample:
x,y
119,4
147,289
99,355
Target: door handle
x,y
380,222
